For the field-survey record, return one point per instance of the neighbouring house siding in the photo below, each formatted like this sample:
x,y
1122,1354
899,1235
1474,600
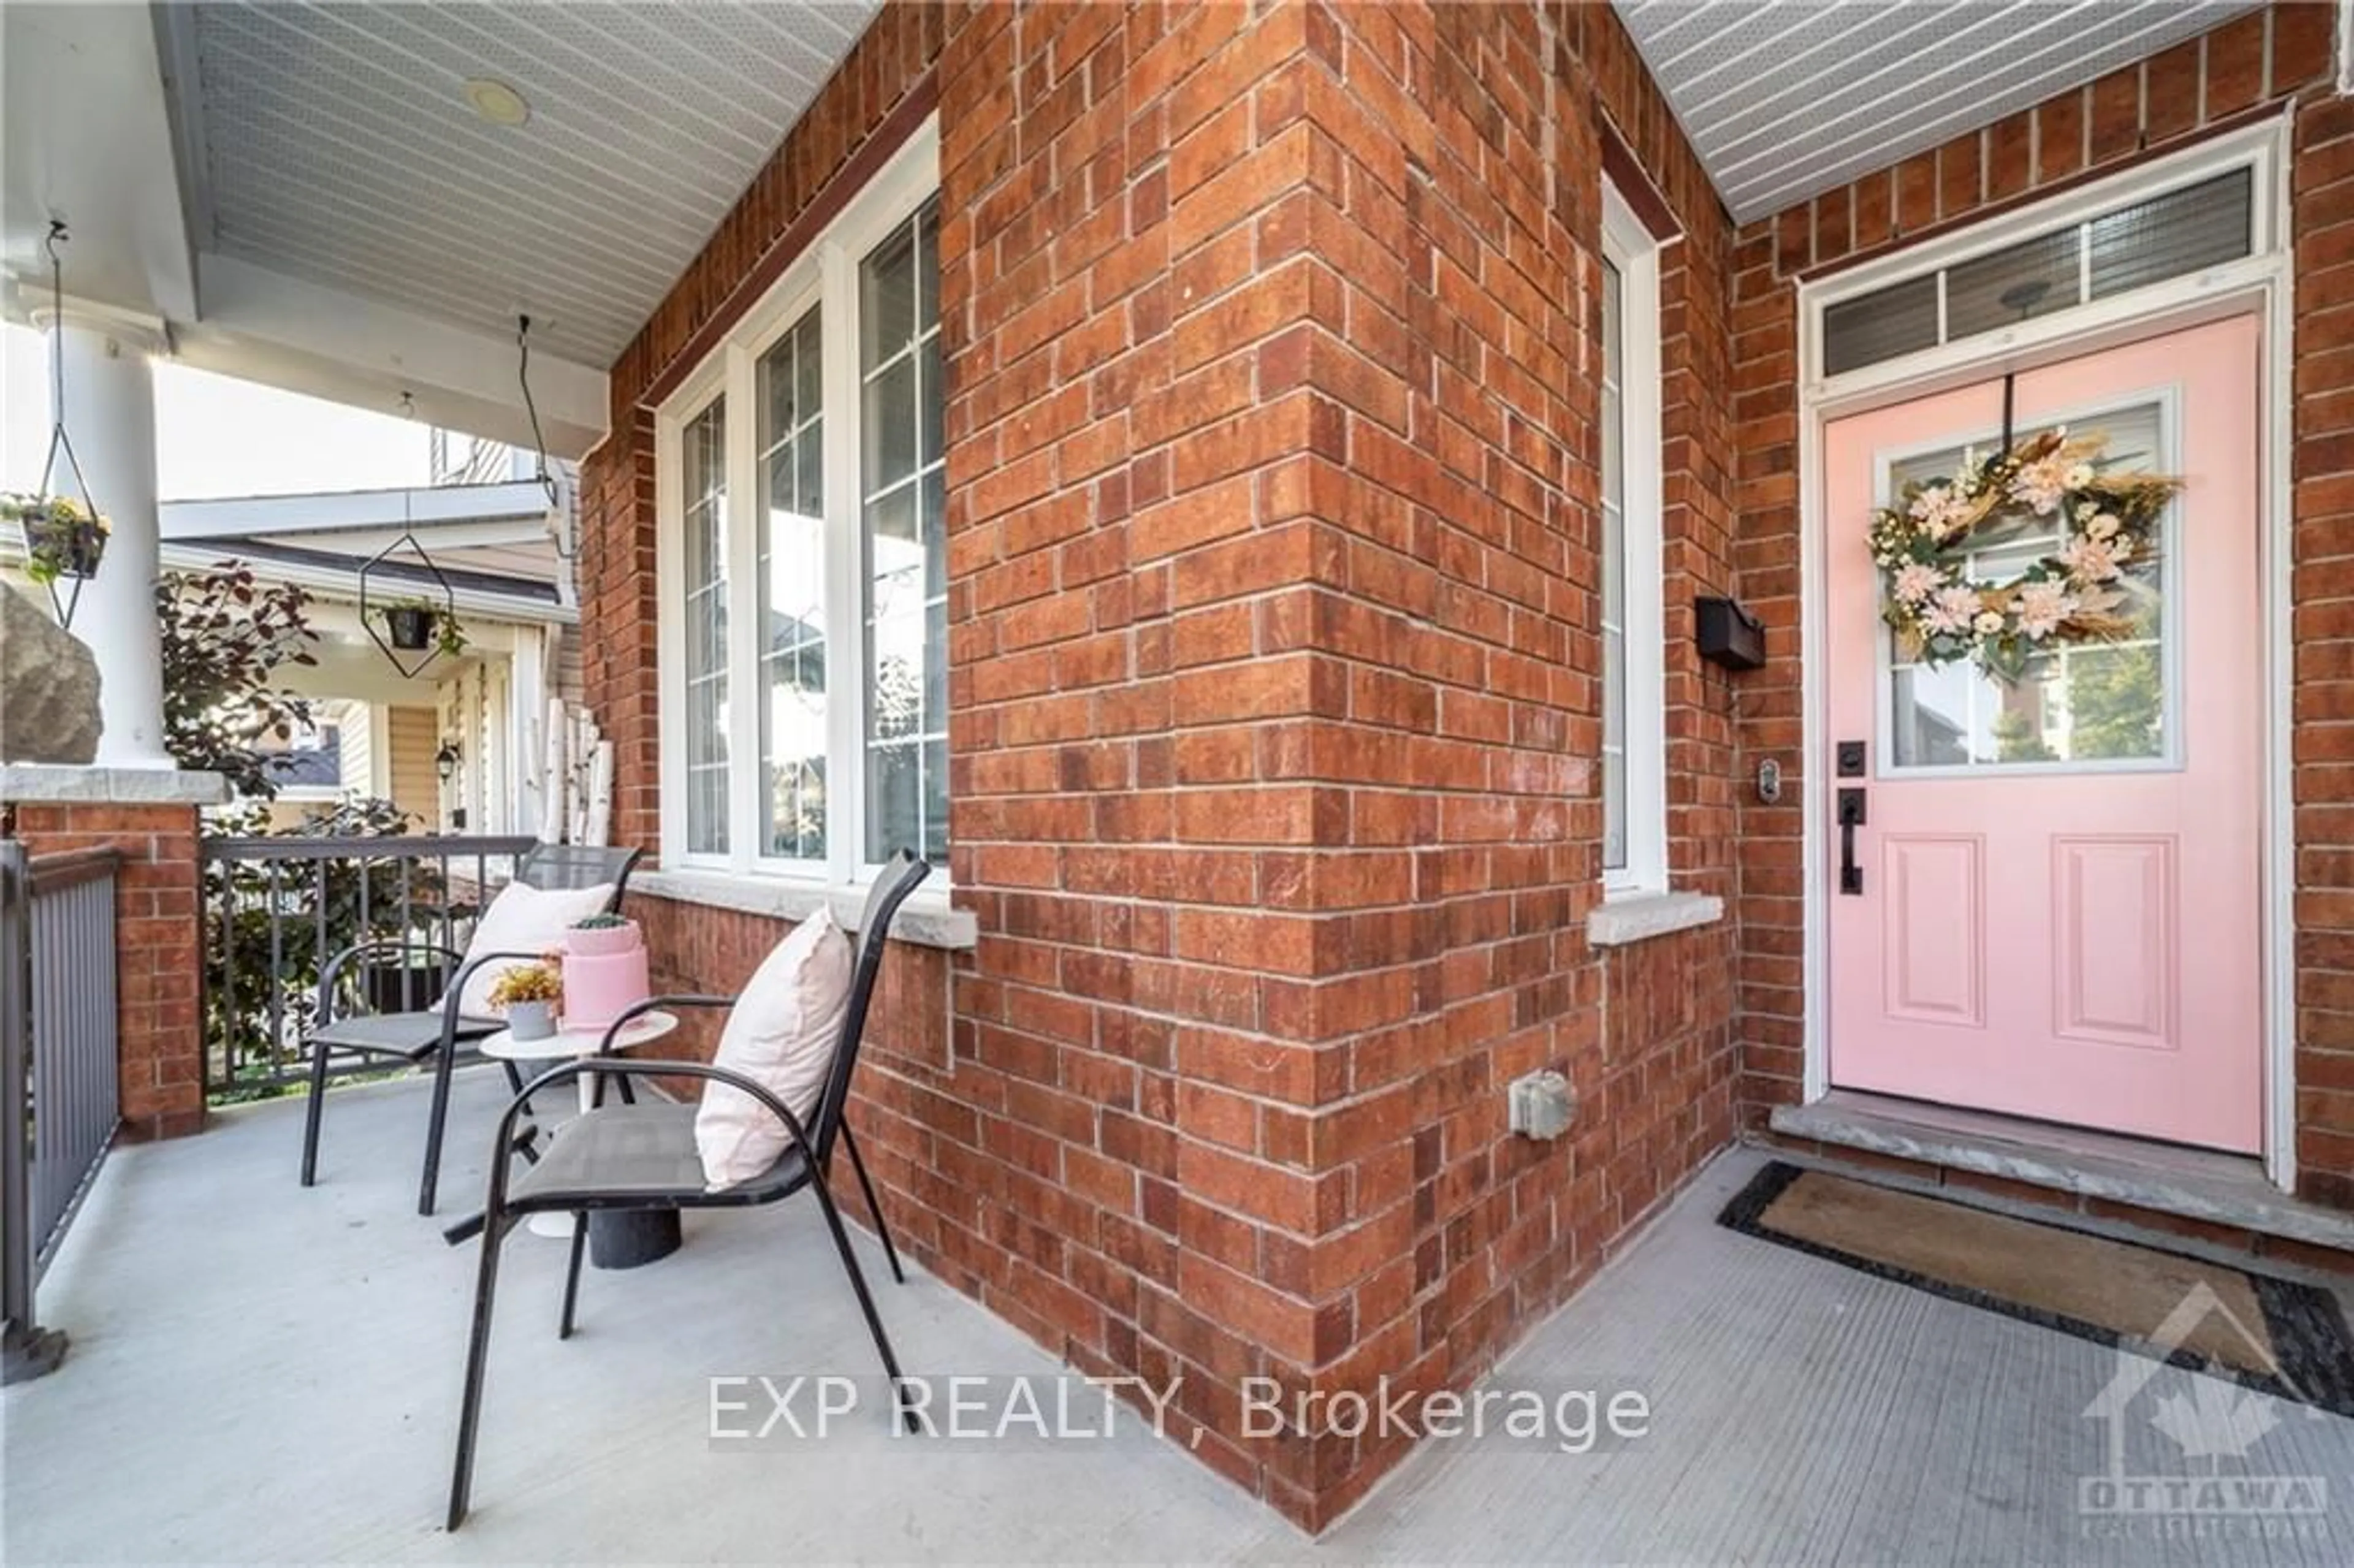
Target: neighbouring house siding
x,y
410,737
2256,63
357,741
1271,339
570,678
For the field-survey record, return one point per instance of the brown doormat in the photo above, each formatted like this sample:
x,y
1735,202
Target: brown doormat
x,y
2280,1336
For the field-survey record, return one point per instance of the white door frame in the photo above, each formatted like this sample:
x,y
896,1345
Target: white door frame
x,y
2261,285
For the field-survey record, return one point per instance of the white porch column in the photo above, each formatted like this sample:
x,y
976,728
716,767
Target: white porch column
x,y
110,414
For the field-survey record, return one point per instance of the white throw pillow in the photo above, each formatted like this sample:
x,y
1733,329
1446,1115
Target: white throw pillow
x,y
781,1035
523,920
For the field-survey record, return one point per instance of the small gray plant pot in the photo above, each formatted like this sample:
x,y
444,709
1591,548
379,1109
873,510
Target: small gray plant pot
x,y
531,1020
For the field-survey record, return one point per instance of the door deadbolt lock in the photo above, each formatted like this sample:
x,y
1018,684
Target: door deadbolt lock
x,y
1850,758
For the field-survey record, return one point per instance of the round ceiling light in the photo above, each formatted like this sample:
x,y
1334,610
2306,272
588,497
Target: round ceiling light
x,y
496,102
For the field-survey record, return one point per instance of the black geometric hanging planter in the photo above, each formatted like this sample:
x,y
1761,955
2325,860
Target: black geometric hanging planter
x,y
411,623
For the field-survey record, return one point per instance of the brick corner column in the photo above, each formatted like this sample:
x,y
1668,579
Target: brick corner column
x,y
150,818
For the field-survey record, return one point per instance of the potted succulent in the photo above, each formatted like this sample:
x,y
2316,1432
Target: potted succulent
x,y
528,995
63,538
415,625
602,934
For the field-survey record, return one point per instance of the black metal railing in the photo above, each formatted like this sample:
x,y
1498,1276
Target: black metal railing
x,y
277,909
58,1043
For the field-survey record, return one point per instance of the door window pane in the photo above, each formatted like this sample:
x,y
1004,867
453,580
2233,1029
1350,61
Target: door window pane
x,y
2080,703
791,551
704,459
903,536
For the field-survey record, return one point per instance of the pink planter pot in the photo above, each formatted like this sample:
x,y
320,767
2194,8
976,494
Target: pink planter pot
x,y
597,941
604,973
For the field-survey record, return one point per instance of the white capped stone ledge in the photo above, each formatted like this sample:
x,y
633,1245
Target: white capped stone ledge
x,y
93,786
927,918
1618,921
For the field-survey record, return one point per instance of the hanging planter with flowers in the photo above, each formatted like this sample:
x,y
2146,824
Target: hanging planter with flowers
x,y
63,538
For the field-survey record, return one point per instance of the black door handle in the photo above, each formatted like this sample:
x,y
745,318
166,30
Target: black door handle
x,y
1850,817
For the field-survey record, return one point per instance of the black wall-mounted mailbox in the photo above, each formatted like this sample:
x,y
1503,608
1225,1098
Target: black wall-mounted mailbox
x,y
1728,634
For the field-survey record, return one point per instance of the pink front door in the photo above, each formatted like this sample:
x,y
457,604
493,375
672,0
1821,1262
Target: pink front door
x,y
2056,906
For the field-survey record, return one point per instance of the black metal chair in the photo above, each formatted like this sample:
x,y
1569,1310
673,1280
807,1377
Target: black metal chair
x,y
644,1157
436,1035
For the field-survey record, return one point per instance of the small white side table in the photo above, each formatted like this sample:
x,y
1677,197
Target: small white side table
x,y
572,1044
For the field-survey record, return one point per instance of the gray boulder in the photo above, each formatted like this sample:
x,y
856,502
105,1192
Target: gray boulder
x,y
49,686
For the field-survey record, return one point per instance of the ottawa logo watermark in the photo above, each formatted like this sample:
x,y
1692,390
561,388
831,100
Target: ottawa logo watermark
x,y
2224,1489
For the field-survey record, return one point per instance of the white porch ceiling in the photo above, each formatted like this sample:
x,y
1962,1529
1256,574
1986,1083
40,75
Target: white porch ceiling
x,y
1783,100
299,193
334,144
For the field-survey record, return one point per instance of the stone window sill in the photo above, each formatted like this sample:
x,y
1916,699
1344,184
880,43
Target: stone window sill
x,y
1638,918
927,918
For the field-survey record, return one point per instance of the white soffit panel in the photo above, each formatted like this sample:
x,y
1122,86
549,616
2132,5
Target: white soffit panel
x,y
339,147
1785,98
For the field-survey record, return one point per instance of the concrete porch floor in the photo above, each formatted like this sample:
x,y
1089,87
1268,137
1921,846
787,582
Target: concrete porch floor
x,y
265,1374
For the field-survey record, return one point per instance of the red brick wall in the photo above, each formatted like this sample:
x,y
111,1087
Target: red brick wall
x,y
160,1054
2322,588
1270,336
1272,532
1131,542
1458,611
2281,54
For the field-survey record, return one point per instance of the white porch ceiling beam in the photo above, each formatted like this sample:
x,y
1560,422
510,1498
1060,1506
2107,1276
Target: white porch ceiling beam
x,y
458,514
265,326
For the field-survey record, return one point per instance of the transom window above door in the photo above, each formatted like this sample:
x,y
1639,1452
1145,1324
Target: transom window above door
x,y
801,488
2199,224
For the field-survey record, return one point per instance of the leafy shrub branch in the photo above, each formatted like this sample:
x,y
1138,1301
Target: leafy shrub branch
x,y
227,637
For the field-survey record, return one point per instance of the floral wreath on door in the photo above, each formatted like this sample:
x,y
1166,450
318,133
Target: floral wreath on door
x,y
2109,521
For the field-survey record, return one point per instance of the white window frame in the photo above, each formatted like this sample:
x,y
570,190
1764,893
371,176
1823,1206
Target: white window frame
x,y
1629,245
824,276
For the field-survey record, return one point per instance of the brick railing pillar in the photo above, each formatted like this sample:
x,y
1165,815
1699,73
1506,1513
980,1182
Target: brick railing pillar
x,y
149,817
